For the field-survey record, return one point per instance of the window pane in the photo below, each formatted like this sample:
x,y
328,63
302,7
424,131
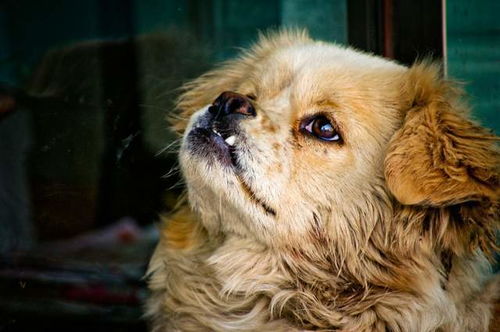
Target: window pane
x,y
87,161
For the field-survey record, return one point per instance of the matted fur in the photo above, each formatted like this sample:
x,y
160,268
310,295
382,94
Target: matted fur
x,y
390,231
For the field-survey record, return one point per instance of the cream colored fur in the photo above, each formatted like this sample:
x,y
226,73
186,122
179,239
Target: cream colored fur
x,y
389,231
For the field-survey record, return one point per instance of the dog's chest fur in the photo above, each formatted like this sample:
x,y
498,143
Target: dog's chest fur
x,y
241,286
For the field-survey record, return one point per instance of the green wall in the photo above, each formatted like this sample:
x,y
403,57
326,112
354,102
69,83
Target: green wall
x,y
473,45
28,28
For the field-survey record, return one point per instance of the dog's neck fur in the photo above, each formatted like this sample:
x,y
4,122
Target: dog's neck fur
x,y
235,284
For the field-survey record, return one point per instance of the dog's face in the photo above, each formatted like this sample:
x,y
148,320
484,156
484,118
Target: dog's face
x,y
290,140
300,135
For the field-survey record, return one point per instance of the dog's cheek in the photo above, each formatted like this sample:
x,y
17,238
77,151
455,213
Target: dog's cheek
x,y
266,160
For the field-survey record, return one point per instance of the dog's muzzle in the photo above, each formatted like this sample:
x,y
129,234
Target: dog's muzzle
x,y
216,132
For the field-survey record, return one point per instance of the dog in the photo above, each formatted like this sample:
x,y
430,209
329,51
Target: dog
x,y
329,190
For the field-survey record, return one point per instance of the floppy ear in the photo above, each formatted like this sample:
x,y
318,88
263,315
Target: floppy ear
x,y
439,157
229,75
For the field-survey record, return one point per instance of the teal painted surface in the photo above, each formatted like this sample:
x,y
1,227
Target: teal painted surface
x,y
157,15
326,20
473,41
29,28
237,23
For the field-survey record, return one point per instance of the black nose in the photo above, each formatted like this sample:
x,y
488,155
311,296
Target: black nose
x,y
231,103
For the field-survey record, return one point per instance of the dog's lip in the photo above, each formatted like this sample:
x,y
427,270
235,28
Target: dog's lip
x,y
228,139
224,142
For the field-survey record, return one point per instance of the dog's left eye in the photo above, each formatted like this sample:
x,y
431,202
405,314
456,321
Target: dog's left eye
x,y
322,128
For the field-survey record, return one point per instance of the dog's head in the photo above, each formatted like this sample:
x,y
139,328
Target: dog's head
x,y
297,137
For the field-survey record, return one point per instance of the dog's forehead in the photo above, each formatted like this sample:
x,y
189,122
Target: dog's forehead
x,y
313,76
306,65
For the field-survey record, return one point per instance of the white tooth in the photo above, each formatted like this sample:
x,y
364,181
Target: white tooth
x,y
230,140
215,132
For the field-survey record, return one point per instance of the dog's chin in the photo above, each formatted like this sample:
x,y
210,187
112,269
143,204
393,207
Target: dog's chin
x,y
211,165
209,162
214,161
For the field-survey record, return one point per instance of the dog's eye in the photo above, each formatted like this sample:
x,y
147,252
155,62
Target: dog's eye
x,y
322,128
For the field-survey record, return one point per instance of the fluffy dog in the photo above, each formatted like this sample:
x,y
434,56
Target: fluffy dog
x,y
328,190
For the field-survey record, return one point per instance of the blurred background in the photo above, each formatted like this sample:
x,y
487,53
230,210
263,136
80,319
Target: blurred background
x,y
87,162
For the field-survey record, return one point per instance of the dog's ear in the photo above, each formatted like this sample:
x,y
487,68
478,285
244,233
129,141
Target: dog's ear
x,y
439,157
230,75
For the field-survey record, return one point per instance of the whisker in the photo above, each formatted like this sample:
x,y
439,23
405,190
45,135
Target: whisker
x,y
169,147
178,184
174,170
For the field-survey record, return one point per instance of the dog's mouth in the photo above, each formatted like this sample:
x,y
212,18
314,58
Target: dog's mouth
x,y
229,142
212,143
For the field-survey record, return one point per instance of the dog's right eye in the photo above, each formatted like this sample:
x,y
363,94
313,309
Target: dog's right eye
x,y
321,128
